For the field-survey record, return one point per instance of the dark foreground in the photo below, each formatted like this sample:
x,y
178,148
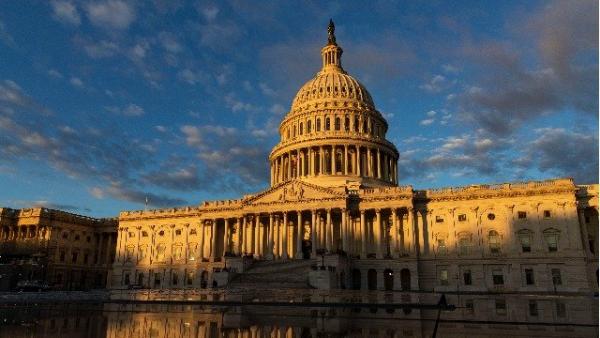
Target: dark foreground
x,y
360,315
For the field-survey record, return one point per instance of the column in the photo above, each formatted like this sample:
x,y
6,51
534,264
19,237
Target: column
x,y
358,168
289,167
363,235
345,160
369,169
270,243
332,158
344,236
311,161
321,159
201,244
261,240
329,232
226,237
377,233
298,167
277,243
243,235
378,164
313,233
395,233
213,244
284,247
256,236
108,249
299,236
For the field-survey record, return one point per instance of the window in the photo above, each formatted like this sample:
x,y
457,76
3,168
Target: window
x,y
144,234
491,217
74,257
131,234
175,278
178,252
161,233
467,279
462,217
587,219
308,126
497,277
556,277
522,214
157,279
62,256
561,310
126,279
88,239
337,123
441,246
193,232
129,252
301,129
178,232
551,237
500,306
347,124
86,256
439,219
469,307
160,252
494,241
190,278
529,279
65,235
443,277
327,123
533,309
143,252
356,125
464,243
547,214
318,124
525,239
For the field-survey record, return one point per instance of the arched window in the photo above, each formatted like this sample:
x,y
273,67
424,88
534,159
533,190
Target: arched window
x,y
327,124
356,124
494,241
301,129
524,237
288,133
308,126
347,124
160,252
318,124
372,279
177,252
442,249
192,250
388,279
364,126
337,123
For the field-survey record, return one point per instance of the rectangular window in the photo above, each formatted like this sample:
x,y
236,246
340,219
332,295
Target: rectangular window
x,y
497,277
441,244
462,217
178,232
561,310
522,214
74,257
552,240
85,258
469,307
439,219
587,219
190,278
533,309
175,278
444,277
547,214
126,279
157,279
131,234
500,307
467,279
556,277
529,277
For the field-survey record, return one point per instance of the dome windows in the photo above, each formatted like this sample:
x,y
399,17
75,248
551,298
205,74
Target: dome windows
x,y
337,123
327,124
318,125
308,126
301,129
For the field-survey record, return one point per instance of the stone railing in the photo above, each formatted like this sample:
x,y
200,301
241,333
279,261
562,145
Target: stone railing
x,y
158,212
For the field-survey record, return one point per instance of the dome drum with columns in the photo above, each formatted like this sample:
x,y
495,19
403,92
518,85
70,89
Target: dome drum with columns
x,y
333,134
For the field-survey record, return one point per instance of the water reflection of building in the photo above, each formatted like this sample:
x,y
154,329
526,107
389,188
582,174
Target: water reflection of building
x,y
334,194
64,250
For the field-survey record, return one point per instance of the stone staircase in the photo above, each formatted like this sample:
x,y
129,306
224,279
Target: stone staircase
x,y
276,274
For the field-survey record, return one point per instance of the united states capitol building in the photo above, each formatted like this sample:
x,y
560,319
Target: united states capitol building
x,y
334,217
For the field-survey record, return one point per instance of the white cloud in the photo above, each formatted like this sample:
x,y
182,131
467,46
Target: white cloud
x,y
436,84
100,49
190,76
210,13
55,73
426,122
113,14
65,12
277,109
133,110
169,42
265,89
77,82
97,192
431,113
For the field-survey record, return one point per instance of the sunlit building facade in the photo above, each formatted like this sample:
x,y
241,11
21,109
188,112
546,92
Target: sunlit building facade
x,y
334,201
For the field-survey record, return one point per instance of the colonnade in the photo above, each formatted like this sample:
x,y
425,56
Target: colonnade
x,y
335,160
11,233
375,233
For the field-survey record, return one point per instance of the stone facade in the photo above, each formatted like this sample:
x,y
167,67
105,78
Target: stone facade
x,y
334,199
64,250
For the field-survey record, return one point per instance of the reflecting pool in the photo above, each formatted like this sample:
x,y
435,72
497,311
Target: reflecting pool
x,y
415,315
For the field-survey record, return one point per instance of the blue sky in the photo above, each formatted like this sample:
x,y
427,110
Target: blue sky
x,y
105,102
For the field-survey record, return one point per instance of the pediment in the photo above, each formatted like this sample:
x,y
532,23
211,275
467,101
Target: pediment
x,y
294,191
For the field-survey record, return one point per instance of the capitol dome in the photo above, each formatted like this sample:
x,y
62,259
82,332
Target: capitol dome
x,y
333,135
